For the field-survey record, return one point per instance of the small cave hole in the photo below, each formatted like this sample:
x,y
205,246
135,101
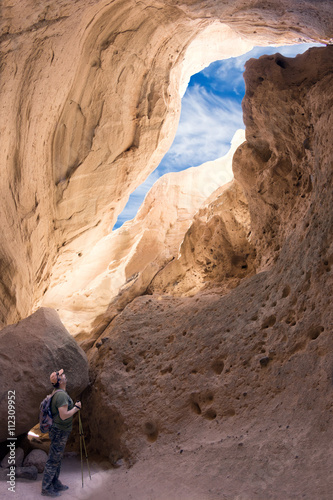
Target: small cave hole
x,y
281,62
264,361
269,322
218,366
151,431
210,414
166,370
210,396
195,407
315,332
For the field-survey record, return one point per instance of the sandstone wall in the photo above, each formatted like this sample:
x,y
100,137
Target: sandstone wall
x,y
258,359
89,104
216,251
79,136
122,265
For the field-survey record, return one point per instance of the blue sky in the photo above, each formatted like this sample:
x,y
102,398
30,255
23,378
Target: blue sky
x,y
211,113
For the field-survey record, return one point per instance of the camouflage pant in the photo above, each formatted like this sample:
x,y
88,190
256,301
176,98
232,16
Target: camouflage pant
x,y
53,464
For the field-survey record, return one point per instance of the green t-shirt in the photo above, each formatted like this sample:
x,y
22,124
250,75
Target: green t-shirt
x,y
59,399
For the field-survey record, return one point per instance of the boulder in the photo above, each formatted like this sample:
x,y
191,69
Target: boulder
x,y
37,458
20,473
30,351
27,473
17,457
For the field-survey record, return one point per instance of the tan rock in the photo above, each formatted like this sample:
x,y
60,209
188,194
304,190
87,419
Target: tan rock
x,y
275,167
30,351
121,266
215,250
241,379
90,103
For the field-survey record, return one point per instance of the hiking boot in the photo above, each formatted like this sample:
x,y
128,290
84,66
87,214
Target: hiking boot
x,y
58,486
50,492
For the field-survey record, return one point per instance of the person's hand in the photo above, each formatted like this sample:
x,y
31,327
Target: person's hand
x,y
78,405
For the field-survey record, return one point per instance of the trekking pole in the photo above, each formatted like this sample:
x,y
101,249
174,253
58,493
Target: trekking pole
x,y
82,440
81,448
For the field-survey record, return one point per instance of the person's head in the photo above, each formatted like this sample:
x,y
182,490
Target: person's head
x,y
57,378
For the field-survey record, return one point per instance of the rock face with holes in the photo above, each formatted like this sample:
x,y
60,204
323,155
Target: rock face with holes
x,y
249,371
215,252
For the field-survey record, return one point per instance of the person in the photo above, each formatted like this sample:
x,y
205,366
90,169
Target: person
x,y
63,409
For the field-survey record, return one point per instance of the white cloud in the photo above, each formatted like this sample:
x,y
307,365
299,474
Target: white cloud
x,y
205,129
208,120
136,198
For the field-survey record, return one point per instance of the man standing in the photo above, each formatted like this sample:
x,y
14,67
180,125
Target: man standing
x,y
63,409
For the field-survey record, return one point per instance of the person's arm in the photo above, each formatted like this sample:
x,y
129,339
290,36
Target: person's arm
x,y
64,412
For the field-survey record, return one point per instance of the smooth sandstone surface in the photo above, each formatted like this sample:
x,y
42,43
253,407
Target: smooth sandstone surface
x,y
123,264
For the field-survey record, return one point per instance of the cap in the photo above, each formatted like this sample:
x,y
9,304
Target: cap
x,y
54,376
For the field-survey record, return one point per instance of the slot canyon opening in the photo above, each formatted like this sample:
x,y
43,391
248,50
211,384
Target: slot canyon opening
x,y
188,390
123,264
211,115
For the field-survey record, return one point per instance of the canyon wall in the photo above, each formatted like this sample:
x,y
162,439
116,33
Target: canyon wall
x,y
227,355
79,136
242,377
123,264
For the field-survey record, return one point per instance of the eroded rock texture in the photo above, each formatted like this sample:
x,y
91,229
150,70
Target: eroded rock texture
x,y
90,98
216,250
122,265
251,371
235,376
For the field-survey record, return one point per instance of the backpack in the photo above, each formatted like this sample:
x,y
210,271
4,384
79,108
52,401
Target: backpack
x,y
45,414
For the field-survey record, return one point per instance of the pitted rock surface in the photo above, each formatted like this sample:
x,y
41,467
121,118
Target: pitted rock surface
x,y
254,366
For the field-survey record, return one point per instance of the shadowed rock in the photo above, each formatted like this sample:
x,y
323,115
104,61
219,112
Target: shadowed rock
x,y
30,351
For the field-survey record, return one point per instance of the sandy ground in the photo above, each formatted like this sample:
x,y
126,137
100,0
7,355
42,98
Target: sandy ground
x,y
205,468
138,483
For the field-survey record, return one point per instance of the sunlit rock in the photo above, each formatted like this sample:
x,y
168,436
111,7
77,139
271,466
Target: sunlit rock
x,y
121,265
216,250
